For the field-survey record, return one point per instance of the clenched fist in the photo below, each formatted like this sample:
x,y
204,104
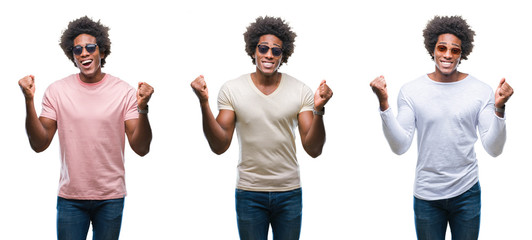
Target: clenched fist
x,y
27,85
144,93
378,85
200,88
503,93
322,96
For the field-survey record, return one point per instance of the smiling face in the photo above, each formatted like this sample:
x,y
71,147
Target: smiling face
x,y
89,64
447,54
267,63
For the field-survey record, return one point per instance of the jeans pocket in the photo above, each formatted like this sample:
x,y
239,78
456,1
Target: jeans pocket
x,y
475,188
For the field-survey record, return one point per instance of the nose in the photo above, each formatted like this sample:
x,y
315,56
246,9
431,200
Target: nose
x,y
84,52
269,53
448,54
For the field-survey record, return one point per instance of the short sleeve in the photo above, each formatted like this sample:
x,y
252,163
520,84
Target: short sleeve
x,y
307,99
224,99
48,105
131,111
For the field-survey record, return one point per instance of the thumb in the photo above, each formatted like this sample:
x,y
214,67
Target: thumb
x,y
503,80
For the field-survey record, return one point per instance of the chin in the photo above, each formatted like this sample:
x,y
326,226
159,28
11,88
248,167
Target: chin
x,y
268,72
447,71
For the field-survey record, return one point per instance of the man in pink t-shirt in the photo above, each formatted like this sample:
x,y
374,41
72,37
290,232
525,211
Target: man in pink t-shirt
x,y
91,111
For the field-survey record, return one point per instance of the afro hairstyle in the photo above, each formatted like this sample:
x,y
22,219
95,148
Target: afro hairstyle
x,y
85,25
455,25
269,25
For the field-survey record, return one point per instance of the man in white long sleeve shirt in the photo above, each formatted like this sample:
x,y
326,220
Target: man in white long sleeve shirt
x,y
446,107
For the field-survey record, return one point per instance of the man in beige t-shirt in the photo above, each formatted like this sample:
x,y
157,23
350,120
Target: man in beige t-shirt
x,y
266,107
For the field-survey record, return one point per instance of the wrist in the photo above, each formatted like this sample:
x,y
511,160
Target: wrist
x,y
500,105
29,100
500,109
143,109
320,112
204,103
384,105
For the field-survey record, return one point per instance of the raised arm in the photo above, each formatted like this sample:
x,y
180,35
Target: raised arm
x,y
219,131
378,85
40,131
138,130
502,94
399,132
492,129
311,127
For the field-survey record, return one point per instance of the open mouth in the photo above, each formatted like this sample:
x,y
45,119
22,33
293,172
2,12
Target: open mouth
x,y
446,64
267,64
86,63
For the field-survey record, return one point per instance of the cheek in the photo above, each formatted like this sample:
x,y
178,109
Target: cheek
x,y
279,62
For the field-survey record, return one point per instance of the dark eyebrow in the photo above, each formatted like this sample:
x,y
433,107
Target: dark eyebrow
x,y
266,43
454,44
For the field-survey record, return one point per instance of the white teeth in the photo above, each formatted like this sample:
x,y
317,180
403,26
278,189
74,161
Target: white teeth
x,y
446,63
268,64
86,61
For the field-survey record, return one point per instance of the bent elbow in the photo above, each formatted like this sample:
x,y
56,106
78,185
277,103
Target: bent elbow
x,y
218,150
399,150
314,154
141,149
495,153
143,152
494,149
38,148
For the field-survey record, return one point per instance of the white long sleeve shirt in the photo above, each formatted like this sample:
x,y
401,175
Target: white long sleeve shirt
x,y
446,116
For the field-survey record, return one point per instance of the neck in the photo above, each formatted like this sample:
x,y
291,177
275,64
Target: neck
x,y
266,80
93,78
455,76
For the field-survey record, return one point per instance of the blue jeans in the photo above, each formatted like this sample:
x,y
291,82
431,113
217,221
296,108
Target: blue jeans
x,y
74,217
255,211
462,213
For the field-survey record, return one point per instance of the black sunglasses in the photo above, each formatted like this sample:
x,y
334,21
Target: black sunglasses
x,y
276,51
78,49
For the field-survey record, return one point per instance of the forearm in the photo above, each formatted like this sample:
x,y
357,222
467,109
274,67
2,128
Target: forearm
x,y
398,138
383,104
494,137
37,134
217,137
141,139
315,138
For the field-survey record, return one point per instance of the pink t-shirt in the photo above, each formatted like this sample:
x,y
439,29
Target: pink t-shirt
x,y
91,128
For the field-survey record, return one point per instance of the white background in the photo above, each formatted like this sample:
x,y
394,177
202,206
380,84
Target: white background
x,y
357,189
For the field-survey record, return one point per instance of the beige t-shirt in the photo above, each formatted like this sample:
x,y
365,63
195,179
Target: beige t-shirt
x,y
265,125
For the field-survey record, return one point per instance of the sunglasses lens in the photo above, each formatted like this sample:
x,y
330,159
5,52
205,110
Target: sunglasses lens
x,y
456,51
77,50
277,51
90,48
263,49
441,48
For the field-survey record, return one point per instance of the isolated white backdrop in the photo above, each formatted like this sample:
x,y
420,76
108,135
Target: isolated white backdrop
x,y
357,189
